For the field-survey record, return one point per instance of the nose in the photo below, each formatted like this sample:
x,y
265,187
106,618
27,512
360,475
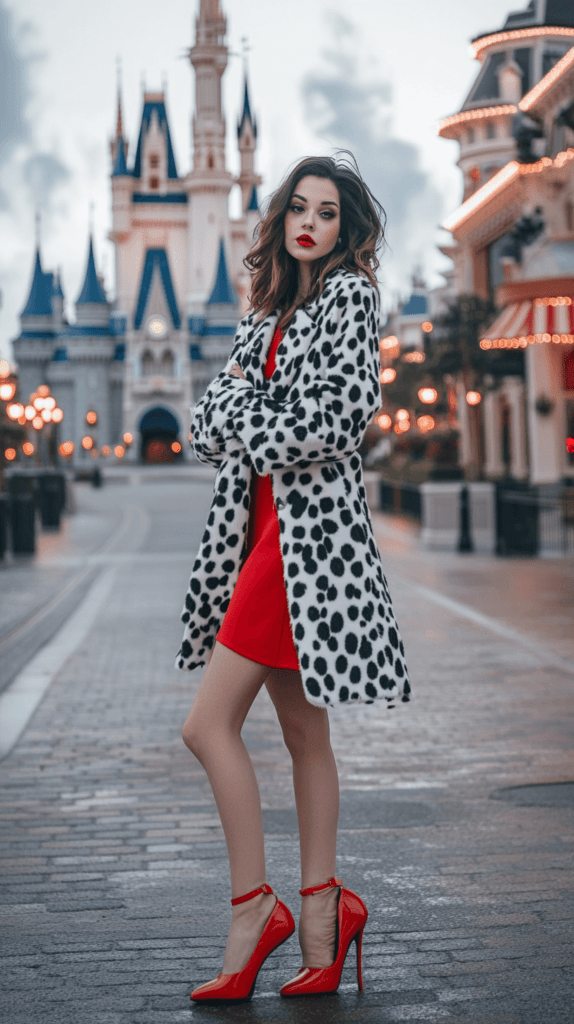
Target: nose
x,y
309,219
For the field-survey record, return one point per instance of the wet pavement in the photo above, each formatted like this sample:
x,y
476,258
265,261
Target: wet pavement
x,y
457,821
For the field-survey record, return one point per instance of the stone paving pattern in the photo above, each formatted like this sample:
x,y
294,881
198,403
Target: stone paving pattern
x,y
115,879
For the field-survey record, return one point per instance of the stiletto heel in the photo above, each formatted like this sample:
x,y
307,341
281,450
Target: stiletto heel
x,y
352,916
238,988
359,944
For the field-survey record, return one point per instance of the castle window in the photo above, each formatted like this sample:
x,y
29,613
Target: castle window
x,y
167,363
154,160
490,132
154,182
210,161
147,364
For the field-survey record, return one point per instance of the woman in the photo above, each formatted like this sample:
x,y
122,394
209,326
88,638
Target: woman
x,y
288,589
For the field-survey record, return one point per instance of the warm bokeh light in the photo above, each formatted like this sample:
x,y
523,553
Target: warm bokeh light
x,y
106,450
29,412
402,414
402,426
119,451
428,395
385,422
10,454
390,342
43,390
87,442
46,415
38,403
175,447
66,449
15,411
4,368
388,375
427,326
128,438
473,397
7,392
425,423
414,357
94,453
28,448
37,422
50,403
57,415
91,417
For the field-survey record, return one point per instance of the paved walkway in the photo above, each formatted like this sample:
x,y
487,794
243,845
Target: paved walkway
x,y
113,862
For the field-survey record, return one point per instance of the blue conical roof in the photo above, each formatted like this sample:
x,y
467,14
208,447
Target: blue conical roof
x,y
120,166
40,298
253,204
246,115
57,287
92,290
223,290
154,104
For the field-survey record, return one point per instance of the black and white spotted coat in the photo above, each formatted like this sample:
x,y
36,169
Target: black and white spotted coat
x,y
303,426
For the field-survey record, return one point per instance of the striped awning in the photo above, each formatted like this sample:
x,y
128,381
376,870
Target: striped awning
x,y
532,322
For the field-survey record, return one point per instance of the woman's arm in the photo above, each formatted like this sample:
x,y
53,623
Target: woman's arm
x,y
327,416
206,441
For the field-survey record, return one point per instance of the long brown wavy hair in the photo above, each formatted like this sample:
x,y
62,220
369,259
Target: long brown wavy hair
x,y
275,277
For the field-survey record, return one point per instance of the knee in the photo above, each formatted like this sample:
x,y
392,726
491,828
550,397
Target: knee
x,y
194,735
302,739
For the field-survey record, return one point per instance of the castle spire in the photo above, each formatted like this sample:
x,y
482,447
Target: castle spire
x,y
247,143
209,59
118,145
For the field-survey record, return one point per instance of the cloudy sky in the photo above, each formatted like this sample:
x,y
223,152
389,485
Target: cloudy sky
x,y
373,76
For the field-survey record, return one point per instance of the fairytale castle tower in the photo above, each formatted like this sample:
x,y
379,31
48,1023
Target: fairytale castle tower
x,y
180,282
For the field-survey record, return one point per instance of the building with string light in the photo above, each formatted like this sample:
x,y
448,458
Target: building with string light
x,y
126,371
513,241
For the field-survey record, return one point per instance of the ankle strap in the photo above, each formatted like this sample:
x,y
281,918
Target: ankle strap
x,y
250,895
331,884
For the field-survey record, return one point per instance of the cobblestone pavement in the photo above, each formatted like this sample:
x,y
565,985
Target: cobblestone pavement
x,y
115,880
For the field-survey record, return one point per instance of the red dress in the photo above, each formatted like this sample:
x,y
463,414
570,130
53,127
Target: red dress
x,y
256,623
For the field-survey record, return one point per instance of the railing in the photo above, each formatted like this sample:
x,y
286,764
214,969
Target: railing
x,y
400,497
533,523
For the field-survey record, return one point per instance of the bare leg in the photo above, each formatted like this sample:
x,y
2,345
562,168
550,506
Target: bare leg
x,y
316,783
213,733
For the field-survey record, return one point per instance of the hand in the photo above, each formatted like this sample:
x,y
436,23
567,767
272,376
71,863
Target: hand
x,y
236,371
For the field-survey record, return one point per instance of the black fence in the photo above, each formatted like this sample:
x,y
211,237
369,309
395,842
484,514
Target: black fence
x,y
400,497
534,521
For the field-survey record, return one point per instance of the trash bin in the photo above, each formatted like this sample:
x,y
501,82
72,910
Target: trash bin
x,y
23,523
52,496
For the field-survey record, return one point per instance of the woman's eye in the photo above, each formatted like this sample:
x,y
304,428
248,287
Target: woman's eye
x,y
296,208
328,214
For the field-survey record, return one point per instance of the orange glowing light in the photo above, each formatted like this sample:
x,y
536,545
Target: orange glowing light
x,y
43,390
7,392
15,411
91,417
385,422
38,403
402,414
414,357
473,397
94,454
10,454
390,342
120,451
4,368
37,422
87,442
448,123
46,415
57,415
546,83
66,448
175,447
425,423
388,375
481,45
428,395
28,448
29,412
128,438
401,427
427,326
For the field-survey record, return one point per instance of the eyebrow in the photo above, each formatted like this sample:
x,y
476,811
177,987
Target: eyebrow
x,y
325,202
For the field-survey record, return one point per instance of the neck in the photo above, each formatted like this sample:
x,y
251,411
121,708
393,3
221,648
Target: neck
x,y
304,280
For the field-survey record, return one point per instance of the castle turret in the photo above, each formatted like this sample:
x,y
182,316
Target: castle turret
x,y
247,144
92,306
209,183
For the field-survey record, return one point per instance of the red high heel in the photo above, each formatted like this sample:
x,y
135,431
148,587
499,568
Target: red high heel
x,y
238,988
351,919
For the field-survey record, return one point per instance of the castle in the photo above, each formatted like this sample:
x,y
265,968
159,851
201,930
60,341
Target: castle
x,y
140,362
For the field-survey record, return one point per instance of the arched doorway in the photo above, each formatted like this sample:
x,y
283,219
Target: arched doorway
x,y
158,431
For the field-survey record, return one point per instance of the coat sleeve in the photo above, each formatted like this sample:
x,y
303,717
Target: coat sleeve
x,y
325,417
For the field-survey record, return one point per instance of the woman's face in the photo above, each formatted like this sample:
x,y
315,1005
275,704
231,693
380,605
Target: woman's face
x,y
313,220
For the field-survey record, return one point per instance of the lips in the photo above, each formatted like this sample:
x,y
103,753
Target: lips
x,y
306,241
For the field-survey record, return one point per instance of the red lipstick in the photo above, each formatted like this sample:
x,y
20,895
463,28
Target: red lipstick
x,y
306,241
